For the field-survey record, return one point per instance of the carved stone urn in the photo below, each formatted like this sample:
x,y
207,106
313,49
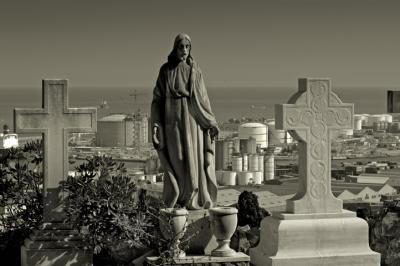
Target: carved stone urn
x,y
173,224
223,225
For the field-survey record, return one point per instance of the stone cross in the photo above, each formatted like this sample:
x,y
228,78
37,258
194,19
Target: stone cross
x,y
55,120
314,116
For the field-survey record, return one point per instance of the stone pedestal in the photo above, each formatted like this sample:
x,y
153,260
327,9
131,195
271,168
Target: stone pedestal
x,y
201,239
313,240
56,245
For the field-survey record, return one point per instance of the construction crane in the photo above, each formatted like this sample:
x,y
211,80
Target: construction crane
x,y
135,94
103,104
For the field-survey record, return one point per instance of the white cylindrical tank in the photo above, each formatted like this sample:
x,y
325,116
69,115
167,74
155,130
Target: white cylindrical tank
x,y
256,130
236,144
269,167
389,118
219,154
365,119
244,178
358,119
375,118
218,175
253,162
261,163
229,178
275,136
237,163
245,162
228,149
258,177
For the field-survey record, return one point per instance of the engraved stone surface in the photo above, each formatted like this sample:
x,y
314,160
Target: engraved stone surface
x,y
54,121
314,116
315,230
55,243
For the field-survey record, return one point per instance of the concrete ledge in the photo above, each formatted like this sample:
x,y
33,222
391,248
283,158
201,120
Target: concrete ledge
x,y
198,260
291,216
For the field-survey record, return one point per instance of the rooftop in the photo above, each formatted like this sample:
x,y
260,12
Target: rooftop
x,y
113,118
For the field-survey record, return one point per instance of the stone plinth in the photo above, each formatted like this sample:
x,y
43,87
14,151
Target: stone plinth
x,y
202,241
55,245
239,259
314,240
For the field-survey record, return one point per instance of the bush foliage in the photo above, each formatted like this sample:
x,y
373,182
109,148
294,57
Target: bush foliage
x,y
104,200
21,197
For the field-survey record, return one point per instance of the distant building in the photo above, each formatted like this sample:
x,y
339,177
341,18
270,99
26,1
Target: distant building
x,y
140,129
115,130
367,179
393,101
256,130
367,194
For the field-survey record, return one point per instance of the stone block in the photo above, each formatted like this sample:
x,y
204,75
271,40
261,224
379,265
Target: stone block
x,y
55,257
313,240
55,244
201,239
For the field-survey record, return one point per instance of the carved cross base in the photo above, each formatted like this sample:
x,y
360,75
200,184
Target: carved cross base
x,y
314,240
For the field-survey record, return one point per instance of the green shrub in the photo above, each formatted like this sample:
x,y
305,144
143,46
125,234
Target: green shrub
x,y
103,199
21,197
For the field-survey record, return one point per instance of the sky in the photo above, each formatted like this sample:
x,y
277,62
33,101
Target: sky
x,y
98,43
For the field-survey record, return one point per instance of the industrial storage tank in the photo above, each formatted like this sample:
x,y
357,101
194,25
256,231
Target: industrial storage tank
x,y
228,178
358,120
236,144
365,119
253,162
219,155
388,118
245,162
261,163
237,163
256,130
375,118
227,150
275,136
244,178
248,145
258,177
395,127
269,166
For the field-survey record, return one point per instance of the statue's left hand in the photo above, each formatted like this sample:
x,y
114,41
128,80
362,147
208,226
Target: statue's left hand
x,y
214,131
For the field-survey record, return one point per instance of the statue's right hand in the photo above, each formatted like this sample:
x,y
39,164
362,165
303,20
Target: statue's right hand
x,y
158,139
155,136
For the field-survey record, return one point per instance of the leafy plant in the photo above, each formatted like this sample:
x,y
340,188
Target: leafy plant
x,y
21,197
385,232
249,211
103,199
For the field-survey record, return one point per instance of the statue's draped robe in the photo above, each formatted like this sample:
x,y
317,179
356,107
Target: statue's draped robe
x,y
181,109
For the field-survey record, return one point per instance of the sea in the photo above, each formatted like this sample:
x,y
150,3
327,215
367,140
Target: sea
x,y
226,102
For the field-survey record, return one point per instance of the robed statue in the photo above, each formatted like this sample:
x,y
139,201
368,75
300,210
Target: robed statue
x,y
183,130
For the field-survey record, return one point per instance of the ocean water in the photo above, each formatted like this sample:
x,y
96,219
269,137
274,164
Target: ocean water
x,y
226,102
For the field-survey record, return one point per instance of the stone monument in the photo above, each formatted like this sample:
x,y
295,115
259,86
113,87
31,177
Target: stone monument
x,y
55,243
314,230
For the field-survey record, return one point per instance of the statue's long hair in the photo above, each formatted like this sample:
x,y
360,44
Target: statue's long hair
x,y
173,59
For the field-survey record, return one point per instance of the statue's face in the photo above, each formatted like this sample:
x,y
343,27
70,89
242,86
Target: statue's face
x,y
183,50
